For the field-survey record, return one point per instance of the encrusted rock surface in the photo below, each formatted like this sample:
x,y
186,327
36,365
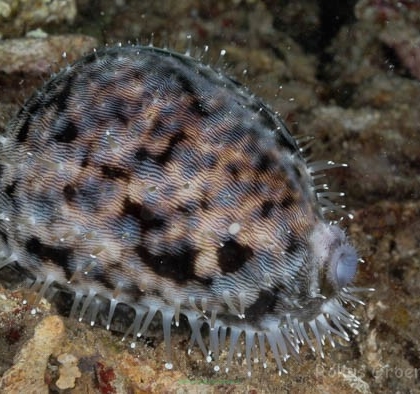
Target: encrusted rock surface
x,y
39,56
27,373
18,17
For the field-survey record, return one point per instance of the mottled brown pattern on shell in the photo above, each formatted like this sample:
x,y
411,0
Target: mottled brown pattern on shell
x,y
125,173
114,122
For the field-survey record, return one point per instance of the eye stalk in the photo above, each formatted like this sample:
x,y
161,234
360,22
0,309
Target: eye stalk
x,y
336,258
343,265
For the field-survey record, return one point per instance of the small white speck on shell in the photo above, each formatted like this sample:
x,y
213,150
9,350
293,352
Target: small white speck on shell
x,y
234,228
